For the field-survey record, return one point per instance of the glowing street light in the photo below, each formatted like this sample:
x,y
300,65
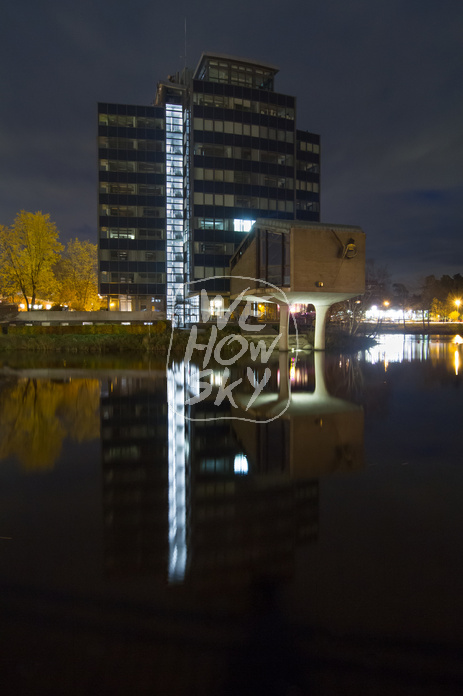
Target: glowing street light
x,y
457,304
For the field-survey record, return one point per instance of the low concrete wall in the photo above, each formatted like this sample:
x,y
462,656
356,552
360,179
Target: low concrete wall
x,y
101,317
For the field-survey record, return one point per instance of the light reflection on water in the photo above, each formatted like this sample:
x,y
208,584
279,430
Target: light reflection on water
x,y
397,348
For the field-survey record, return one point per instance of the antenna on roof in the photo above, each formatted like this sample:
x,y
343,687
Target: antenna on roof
x,y
185,46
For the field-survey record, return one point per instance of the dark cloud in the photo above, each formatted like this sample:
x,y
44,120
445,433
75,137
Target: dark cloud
x,y
381,82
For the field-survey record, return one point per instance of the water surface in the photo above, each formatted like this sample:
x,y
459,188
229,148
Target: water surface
x,y
148,553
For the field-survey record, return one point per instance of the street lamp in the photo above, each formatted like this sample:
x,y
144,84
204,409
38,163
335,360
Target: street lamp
x,y
457,304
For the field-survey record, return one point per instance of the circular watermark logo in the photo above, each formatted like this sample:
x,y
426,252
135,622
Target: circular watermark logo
x,y
204,374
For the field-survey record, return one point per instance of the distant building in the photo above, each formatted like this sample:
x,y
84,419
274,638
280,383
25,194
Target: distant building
x,y
181,182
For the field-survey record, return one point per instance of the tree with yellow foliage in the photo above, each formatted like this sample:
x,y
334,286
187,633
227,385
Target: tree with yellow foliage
x,y
28,251
77,276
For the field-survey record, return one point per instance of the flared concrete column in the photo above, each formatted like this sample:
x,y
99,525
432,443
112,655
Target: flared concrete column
x,y
284,387
284,320
320,391
320,317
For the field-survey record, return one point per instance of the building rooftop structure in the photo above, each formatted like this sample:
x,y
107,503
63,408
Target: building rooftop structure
x,y
232,70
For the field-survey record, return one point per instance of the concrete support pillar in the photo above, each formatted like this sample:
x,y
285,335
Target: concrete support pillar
x,y
284,321
320,317
205,306
320,391
284,387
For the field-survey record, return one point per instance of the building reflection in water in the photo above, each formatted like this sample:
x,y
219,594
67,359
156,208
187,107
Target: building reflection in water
x,y
323,433
177,465
135,475
212,501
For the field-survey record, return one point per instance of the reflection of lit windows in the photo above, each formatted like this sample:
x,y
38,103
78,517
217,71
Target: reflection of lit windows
x,y
220,464
126,476
240,464
216,378
115,453
242,225
216,306
292,370
215,490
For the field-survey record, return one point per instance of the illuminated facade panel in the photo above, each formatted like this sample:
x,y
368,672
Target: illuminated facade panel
x,y
174,206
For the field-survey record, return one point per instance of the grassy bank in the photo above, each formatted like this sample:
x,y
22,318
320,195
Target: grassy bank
x,y
113,339
29,330
102,343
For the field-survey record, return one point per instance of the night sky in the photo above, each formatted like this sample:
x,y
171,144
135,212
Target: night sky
x,y
382,82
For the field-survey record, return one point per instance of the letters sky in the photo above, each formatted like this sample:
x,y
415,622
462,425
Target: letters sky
x,y
380,81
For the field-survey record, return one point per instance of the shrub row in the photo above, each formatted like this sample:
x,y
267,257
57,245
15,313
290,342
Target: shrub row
x,y
160,327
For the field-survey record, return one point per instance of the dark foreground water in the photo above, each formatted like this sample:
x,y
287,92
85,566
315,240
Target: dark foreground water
x,y
154,550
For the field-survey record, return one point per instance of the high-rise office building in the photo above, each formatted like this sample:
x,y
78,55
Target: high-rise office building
x,y
181,181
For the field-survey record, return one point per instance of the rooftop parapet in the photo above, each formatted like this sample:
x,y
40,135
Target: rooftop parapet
x,y
232,70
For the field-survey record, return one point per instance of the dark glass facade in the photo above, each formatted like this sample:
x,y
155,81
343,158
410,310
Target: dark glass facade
x,y
243,169
242,159
307,204
132,205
